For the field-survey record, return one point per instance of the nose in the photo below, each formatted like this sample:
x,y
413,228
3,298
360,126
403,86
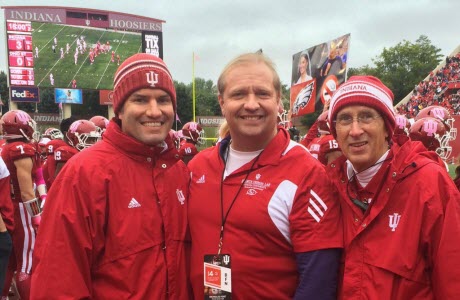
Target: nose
x,y
355,128
252,103
153,110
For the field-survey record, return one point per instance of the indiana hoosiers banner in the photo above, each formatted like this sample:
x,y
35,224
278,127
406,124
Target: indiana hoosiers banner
x,y
316,74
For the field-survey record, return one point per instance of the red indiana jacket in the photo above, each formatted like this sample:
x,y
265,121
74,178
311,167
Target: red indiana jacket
x,y
405,246
287,205
114,224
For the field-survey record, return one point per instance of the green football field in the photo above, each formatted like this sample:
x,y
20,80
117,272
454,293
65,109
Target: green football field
x,y
98,75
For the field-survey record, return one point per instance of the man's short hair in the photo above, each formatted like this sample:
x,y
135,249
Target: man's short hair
x,y
248,58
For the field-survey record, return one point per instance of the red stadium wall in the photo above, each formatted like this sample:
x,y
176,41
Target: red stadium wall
x,y
456,143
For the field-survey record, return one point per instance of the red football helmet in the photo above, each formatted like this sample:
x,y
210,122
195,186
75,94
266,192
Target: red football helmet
x,y
432,133
402,125
53,134
194,132
18,124
323,126
442,114
83,134
100,122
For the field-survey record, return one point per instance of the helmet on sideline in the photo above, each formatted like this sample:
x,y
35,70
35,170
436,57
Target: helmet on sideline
x,y
193,132
53,134
83,134
100,122
433,134
18,124
402,125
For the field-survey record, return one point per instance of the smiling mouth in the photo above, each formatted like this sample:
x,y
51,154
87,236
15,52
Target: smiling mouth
x,y
152,124
251,118
357,145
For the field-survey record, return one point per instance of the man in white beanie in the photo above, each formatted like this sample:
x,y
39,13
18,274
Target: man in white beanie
x,y
116,217
400,208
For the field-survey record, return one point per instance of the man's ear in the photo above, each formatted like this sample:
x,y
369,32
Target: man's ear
x,y
221,103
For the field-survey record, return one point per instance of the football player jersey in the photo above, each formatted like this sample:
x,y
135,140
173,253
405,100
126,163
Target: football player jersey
x,y
323,145
50,147
15,151
187,149
61,154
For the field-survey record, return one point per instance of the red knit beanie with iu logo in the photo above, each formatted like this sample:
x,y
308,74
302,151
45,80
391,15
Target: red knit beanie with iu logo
x,y
141,71
367,91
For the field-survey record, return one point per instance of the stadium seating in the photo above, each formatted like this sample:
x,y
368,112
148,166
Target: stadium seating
x,y
441,87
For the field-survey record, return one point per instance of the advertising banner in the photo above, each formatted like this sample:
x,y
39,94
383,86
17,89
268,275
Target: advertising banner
x,y
24,94
316,73
152,42
105,97
68,96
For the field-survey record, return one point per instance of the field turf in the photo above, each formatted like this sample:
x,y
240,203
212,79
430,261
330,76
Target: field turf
x,y
99,75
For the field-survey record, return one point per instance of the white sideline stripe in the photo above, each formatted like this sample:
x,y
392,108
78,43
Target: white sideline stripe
x,y
316,208
312,213
318,199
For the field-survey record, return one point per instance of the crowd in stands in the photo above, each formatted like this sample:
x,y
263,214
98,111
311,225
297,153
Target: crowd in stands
x,y
433,90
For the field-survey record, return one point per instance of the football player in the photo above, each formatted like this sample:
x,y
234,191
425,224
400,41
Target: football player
x,y
323,147
21,159
56,140
193,133
187,151
80,135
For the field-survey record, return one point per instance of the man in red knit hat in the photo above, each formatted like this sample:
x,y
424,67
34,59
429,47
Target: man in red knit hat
x,y
400,208
116,218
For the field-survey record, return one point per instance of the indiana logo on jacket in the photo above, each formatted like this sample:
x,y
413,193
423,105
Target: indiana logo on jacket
x,y
394,221
180,196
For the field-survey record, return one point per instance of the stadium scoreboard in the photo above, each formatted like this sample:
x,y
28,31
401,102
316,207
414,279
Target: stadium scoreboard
x,y
20,55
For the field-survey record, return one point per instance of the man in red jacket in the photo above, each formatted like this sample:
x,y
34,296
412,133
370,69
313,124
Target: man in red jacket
x,y
115,221
264,219
400,208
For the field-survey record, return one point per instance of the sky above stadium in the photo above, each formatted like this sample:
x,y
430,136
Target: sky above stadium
x,y
217,31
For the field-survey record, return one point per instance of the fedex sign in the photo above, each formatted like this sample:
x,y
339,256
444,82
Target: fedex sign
x,y
25,94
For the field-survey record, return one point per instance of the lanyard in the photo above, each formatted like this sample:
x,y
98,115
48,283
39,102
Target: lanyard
x,y
224,219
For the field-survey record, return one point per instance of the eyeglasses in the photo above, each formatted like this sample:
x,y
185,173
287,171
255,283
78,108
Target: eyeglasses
x,y
362,119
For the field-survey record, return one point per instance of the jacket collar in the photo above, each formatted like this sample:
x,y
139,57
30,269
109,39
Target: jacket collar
x,y
271,154
135,149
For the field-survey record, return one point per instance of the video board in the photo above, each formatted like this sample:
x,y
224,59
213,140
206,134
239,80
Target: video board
x,y
60,47
53,55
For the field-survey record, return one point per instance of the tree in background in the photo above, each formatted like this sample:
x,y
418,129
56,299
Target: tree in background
x,y
184,102
206,99
403,66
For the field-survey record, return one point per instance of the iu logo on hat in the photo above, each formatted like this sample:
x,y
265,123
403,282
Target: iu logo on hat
x,y
152,78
